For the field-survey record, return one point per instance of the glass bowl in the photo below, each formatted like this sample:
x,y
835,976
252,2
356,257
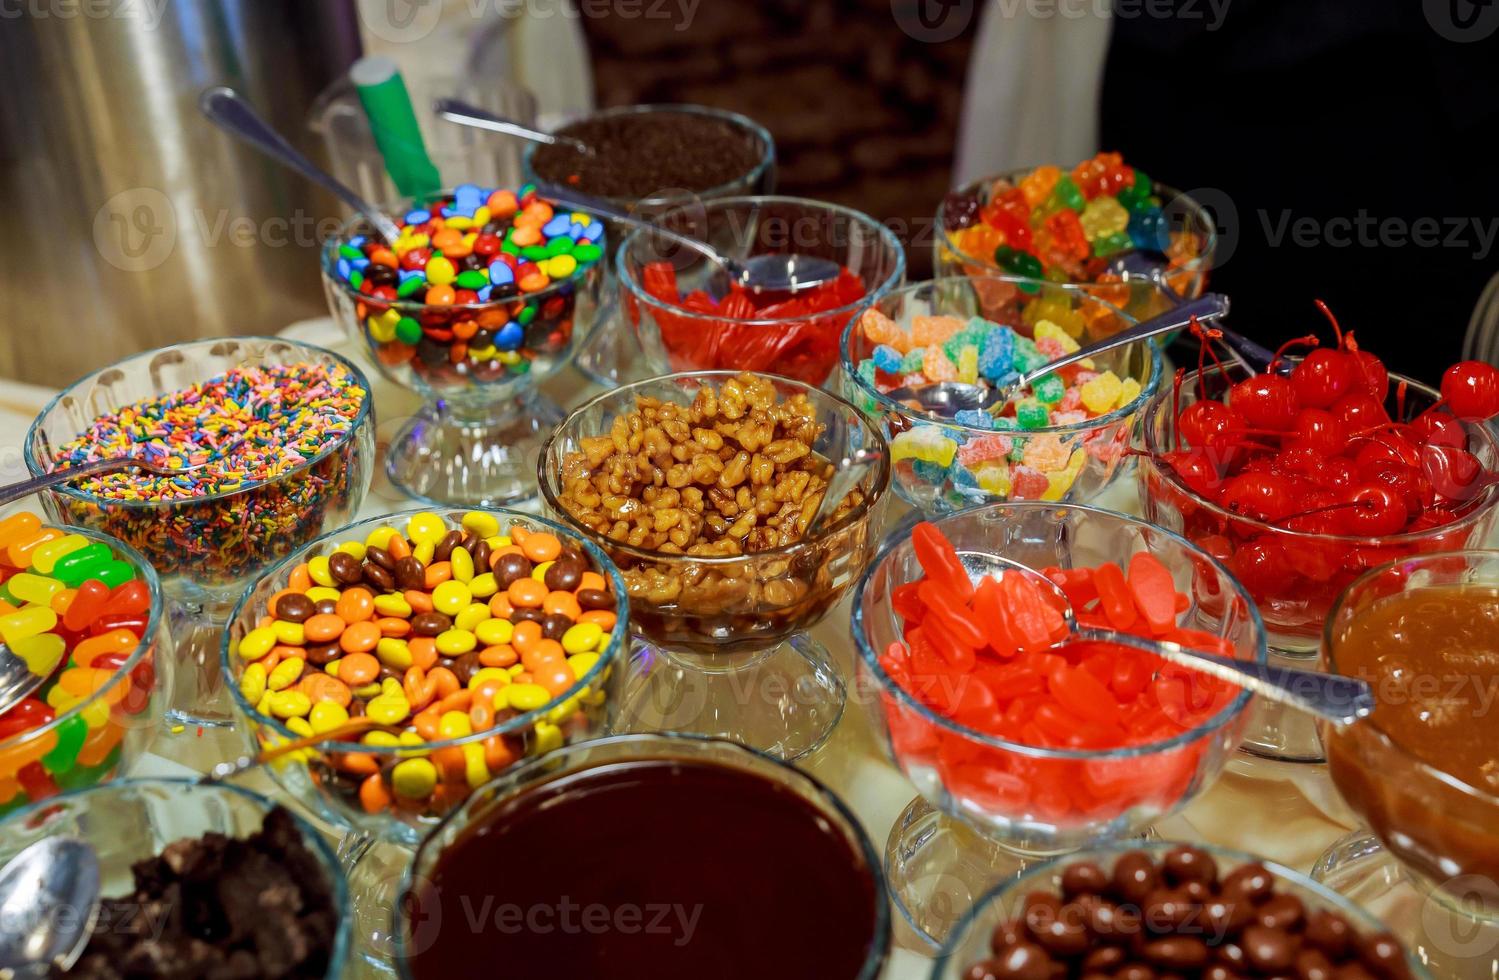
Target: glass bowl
x,y
1430,834
724,648
207,549
1188,235
473,442
1293,576
419,932
969,942
612,357
988,804
801,345
101,733
942,465
130,820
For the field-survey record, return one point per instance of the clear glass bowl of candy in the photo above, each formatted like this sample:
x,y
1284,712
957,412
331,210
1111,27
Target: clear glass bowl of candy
x,y
195,880
1022,742
1146,909
477,638
1300,482
1104,225
649,159
472,315
85,612
1419,773
689,318
275,440
1062,439
701,488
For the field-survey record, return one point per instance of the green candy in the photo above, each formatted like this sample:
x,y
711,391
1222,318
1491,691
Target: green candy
x,y
561,245
1031,414
408,331
356,278
77,567
526,316
114,573
471,279
522,366
350,252
82,777
70,735
410,286
535,253
1049,390
586,252
1019,263
1067,195
1110,244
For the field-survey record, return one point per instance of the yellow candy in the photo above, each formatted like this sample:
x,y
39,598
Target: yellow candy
x,y
254,645
450,597
320,592
96,713
561,266
454,724
381,740
286,673
379,537
326,716
493,632
356,548
45,557
367,691
455,643
994,477
393,652
1102,393
498,674
30,621
252,683
581,637
263,706
1128,392
423,550
299,726
392,688
388,710
33,588
425,528
475,772
481,216
527,697
1045,329
1060,481
480,524
290,704
41,653
548,738
968,365
463,565
483,586
539,573
458,223
291,634
498,541
383,327
562,710
440,271
392,605
471,616
318,568
413,778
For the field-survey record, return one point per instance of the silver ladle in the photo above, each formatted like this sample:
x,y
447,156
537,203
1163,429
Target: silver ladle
x,y
454,110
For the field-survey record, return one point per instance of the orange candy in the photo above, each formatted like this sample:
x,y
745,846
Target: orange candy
x,y
525,636
502,655
355,605
323,628
563,604
325,687
541,546
604,617
526,593
437,573
359,638
358,669
592,580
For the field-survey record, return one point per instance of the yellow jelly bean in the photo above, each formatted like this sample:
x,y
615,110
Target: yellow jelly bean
x,y
463,565
41,653
96,713
582,663
44,558
425,527
318,569
413,778
252,683
285,674
480,524
291,634
493,632
356,548
33,588
539,573
393,652
388,710
290,704
548,738
327,715
379,537
476,613
483,585
263,706
527,697
455,643
475,772
450,597
422,552
454,724
257,643
392,605
320,592
581,637
497,674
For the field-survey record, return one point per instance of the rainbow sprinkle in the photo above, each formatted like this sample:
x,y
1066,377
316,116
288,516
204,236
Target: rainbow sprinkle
x,y
243,427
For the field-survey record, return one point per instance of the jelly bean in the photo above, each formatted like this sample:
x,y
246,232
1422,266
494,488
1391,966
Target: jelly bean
x,y
33,588
87,605
71,734
45,558
128,598
23,623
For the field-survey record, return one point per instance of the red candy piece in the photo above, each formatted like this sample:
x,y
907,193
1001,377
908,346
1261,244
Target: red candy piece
x,y
939,559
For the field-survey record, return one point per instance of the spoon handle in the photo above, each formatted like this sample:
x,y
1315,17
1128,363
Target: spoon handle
x,y
27,487
1209,306
1340,700
578,201
224,107
355,726
455,110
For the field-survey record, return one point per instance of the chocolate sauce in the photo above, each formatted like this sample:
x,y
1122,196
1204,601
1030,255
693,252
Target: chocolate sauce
x,y
658,868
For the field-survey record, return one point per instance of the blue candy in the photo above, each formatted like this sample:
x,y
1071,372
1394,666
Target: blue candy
x,y
418,216
557,226
1148,229
510,336
576,231
928,472
997,355
360,262
975,417
343,268
500,274
483,293
408,274
595,231
887,359
358,240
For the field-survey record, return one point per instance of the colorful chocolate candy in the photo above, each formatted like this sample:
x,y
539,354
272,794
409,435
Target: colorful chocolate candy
x,y
444,631
77,611
480,283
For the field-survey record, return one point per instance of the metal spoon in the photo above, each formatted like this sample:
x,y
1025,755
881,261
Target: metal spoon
x,y
777,272
947,398
224,107
454,110
1340,700
27,487
45,887
847,474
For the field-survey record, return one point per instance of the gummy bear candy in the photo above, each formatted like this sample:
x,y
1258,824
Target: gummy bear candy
x,y
997,353
1102,393
925,442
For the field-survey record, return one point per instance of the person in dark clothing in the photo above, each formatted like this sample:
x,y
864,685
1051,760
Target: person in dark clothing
x,y
1345,147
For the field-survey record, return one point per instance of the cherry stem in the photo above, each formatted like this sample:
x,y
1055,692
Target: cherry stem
x,y
1400,390
1176,397
1433,407
1336,328
1324,510
1310,340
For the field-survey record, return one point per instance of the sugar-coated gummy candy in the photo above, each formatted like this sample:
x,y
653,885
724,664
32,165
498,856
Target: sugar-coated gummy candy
x,y
929,472
1128,392
1031,415
1045,452
911,362
1027,357
887,358
1028,483
975,418
1049,389
997,354
937,367
1072,417
924,442
968,364
1102,393
994,477
1058,482
1047,330
880,329
929,330
981,448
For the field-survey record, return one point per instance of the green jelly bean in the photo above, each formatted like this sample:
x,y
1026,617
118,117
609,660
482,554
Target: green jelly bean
x,y
586,252
356,278
90,554
115,573
471,279
16,802
409,286
350,252
561,245
70,736
82,777
408,331
534,252
526,316
9,596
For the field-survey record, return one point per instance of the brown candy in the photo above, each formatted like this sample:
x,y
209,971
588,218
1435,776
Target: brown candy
x,y
508,568
444,549
1135,877
410,574
564,574
1189,864
294,608
595,599
380,577
1084,878
381,557
345,568
430,624
1267,949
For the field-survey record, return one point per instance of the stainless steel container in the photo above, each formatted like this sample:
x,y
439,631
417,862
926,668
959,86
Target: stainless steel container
x,y
131,222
